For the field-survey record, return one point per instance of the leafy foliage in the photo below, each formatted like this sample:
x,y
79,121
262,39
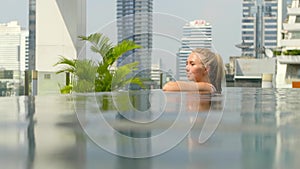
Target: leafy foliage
x,y
88,76
294,52
66,89
121,79
83,74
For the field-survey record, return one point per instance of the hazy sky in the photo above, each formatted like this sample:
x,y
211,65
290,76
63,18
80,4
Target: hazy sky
x,y
224,16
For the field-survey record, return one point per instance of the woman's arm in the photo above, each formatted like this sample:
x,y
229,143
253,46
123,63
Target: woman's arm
x,y
188,86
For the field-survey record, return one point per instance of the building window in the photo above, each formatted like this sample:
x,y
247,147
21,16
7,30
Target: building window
x,y
270,38
247,32
247,21
270,26
47,76
293,72
295,35
248,38
270,44
248,26
270,32
271,21
6,74
297,19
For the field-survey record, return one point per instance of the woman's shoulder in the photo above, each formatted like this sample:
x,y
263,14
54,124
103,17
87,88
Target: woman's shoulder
x,y
213,88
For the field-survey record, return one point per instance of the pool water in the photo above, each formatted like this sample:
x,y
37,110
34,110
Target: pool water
x,y
258,128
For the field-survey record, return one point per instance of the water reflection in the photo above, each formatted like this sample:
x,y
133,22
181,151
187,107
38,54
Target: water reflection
x,y
258,108
30,131
266,142
17,132
193,103
259,129
198,102
133,139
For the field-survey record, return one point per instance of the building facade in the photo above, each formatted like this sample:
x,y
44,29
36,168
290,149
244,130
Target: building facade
x,y
54,27
288,62
196,34
13,58
259,26
290,38
134,22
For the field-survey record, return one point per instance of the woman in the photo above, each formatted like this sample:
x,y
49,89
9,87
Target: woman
x,y
205,69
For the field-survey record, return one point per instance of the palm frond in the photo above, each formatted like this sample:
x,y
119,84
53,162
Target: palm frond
x,y
66,61
122,76
121,49
69,65
100,43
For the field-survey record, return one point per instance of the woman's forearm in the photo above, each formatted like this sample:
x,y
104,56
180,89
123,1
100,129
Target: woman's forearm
x,y
187,86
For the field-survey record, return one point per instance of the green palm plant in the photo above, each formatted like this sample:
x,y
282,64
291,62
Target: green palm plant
x,y
102,78
82,72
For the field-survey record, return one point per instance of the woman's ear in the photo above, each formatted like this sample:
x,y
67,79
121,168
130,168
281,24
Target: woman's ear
x,y
207,68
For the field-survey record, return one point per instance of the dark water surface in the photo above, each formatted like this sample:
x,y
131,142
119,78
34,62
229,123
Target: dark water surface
x,y
259,128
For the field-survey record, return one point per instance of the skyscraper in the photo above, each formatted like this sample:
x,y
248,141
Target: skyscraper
x,y
13,56
259,26
134,22
196,34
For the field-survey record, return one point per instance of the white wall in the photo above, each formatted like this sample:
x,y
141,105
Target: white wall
x,y
58,25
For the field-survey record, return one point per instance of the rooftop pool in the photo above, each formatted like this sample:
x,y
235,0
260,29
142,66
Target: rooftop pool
x,y
248,128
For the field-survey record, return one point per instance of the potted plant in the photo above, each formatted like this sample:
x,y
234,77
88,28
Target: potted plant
x,y
88,76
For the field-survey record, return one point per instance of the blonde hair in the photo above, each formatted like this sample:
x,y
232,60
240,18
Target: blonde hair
x,y
214,63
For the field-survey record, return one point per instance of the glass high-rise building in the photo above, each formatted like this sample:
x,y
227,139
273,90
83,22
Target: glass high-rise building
x,y
196,34
259,26
134,22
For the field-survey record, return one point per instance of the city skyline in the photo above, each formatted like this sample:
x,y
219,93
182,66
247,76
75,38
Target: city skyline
x,y
226,23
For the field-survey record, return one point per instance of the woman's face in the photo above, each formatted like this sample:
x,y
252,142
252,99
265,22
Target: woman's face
x,y
195,69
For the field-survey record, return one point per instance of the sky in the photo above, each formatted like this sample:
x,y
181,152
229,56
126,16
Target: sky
x,y
224,15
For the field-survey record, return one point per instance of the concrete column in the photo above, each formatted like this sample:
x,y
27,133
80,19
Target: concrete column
x,y
267,80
